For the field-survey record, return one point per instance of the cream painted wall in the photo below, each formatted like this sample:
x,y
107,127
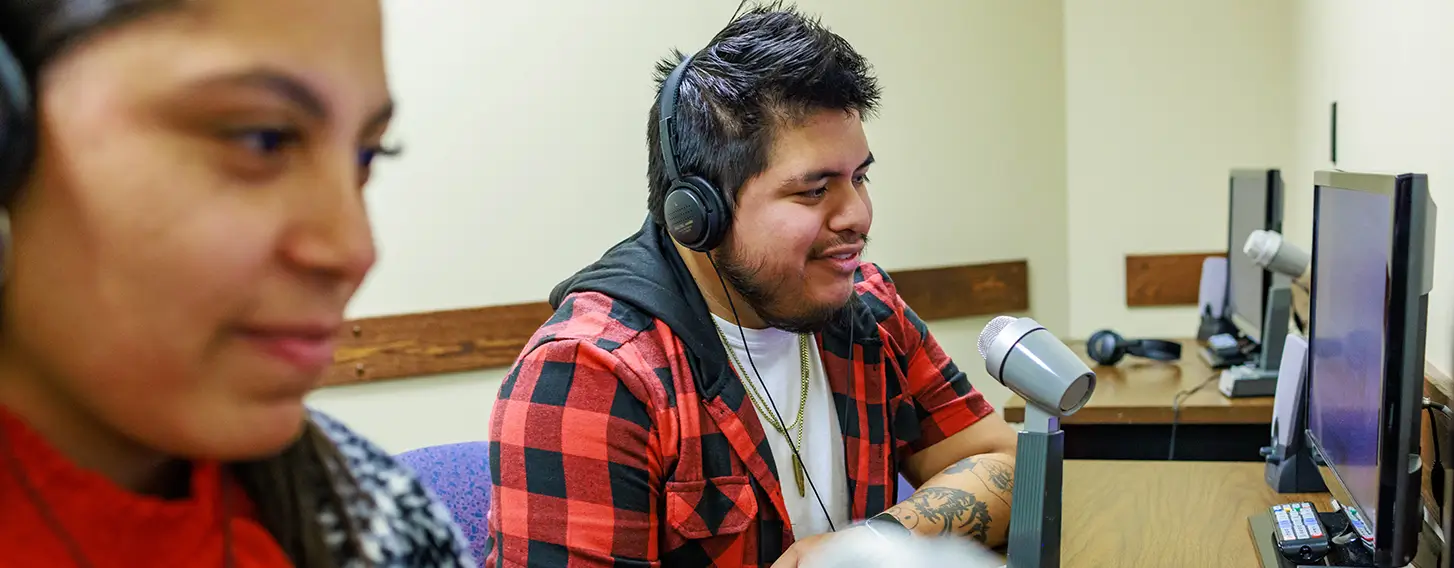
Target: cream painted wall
x,y
510,111
1163,98
1388,66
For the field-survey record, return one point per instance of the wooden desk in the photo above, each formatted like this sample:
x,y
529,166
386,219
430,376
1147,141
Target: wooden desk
x,y
1131,410
1157,514
1140,391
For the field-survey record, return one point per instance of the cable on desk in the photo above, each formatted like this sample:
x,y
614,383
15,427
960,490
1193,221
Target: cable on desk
x,y
1176,411
1436,473
1429,404
1345,537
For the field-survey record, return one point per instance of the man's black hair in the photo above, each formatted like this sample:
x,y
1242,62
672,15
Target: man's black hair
x,y
770,68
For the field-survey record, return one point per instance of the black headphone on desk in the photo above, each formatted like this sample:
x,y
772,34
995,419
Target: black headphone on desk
x,y
1107,347
696,212
16,133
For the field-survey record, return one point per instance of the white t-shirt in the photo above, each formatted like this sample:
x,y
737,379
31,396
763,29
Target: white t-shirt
x,y
777,358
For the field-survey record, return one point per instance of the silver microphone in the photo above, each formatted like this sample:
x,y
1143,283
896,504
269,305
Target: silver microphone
x,y
1022,355
1055,382
1269,250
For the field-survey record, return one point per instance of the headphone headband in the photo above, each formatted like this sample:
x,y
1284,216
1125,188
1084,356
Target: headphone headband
x,y
15,120
667,116
1107,347
1158,349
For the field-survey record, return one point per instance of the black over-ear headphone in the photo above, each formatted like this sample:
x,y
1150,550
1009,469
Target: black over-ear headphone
x,y
696,212
1107,347
16,135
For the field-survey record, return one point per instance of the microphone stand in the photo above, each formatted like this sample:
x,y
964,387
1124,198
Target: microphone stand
x,y
1034,537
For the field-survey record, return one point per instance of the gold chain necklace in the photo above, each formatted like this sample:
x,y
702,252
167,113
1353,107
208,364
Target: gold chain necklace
x,y
766,412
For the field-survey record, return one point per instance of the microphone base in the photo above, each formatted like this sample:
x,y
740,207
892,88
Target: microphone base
x,y
1221,361
1246,380
1034,536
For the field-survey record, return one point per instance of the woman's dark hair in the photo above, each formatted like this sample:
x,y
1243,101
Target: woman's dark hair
x,y
292,489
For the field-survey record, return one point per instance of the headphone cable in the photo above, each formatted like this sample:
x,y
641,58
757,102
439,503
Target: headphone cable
x,y
1176,411
768,392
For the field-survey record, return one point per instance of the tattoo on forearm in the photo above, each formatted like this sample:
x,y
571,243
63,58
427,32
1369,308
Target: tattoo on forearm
x,y
961,466
954,511
995,474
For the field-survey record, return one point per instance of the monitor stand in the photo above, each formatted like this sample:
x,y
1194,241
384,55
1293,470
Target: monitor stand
x,y
1258,377
1353,554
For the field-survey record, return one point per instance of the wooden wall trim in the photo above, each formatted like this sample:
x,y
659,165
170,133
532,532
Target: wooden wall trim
x,y
429,343
967,290
1165,279
411,345
1442,386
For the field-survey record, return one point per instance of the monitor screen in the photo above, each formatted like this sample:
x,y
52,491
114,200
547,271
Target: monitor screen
x,y
1245,279
1352,242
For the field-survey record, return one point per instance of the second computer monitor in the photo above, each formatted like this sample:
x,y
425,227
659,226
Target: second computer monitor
x,y
1372,272
1256,203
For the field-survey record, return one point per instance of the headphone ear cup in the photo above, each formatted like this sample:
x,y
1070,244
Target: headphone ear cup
x,y
16,136
1105,347
696,214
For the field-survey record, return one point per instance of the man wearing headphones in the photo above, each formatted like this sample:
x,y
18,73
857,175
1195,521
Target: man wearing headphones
x,y
731,385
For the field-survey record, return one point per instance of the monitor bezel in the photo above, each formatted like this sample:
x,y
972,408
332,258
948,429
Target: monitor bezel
x,y
1399,505
1273,192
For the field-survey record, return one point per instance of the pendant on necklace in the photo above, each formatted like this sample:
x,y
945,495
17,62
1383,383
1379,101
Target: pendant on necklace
x,y
798,475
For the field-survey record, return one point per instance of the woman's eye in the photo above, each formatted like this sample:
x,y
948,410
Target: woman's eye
x,y
267,140
366,156
815,193
860,180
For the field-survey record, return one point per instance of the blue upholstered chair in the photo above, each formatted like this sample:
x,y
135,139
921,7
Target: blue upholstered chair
x,y
459,474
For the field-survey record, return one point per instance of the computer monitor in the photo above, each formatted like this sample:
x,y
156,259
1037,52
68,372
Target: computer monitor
x,y
1256,203
1372,272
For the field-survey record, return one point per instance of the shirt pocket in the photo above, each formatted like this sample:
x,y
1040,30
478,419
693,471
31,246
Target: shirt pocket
x,y
711,507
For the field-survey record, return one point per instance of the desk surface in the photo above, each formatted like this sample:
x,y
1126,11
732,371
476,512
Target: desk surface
x,y
1140,391
1157,514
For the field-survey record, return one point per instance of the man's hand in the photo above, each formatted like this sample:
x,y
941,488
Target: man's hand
x,y
800,553
859,547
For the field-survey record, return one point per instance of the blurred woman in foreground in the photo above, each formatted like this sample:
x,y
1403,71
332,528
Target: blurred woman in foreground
x,y
182,224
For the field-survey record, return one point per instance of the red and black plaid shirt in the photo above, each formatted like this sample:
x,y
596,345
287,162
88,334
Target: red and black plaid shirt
x,y
615,442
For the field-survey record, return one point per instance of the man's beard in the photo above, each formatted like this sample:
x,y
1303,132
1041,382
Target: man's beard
x,y
772,297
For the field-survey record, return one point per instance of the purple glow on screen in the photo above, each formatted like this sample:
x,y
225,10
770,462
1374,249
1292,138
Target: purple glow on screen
x,y
1351,286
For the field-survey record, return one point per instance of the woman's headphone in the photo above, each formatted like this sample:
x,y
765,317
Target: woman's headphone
x,y
696,212
1107,347
16,135
16,140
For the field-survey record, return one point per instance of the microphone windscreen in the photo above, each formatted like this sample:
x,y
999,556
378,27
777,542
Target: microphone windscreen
x,y
1024,356
991,331
1271,251
1261,246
